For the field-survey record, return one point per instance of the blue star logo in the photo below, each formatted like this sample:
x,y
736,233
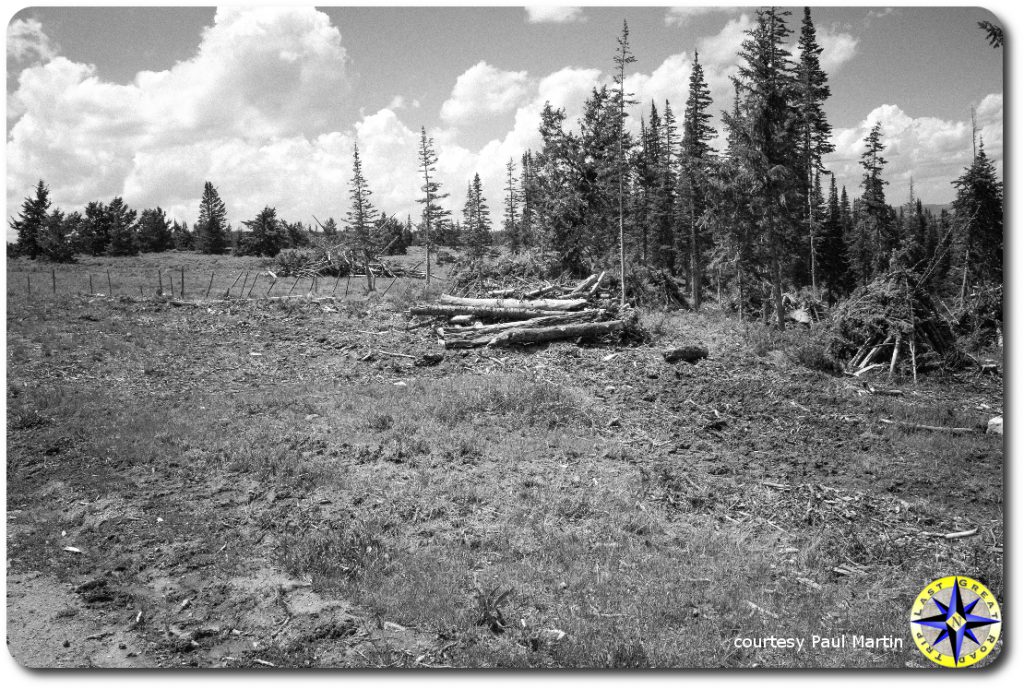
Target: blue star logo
x,y
956,622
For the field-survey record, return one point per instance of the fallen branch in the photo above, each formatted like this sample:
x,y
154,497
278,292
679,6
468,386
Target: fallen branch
x,y
923,427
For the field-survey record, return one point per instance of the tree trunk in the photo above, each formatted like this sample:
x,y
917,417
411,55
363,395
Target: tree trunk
x,y
780,314
496,313
557,332
535,304
695,273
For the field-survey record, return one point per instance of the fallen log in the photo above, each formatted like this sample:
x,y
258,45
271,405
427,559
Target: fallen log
x,y
492,312
689,353
583,287
478,336
536,304
557,332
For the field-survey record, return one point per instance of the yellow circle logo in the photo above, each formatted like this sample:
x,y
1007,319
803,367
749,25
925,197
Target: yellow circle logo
x,y
955,621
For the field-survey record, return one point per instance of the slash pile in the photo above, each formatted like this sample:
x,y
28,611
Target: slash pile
x,y
889,322
540,314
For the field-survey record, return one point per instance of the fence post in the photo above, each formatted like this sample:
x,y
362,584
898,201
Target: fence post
x,y
160,283
228,292
28,279
182,283
252,286
91,291
210,286
271,287
53,274
110,286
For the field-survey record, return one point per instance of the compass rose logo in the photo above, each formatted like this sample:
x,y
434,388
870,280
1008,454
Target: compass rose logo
x,y
955,621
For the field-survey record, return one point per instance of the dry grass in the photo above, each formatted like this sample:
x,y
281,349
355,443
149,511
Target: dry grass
x,y
489,508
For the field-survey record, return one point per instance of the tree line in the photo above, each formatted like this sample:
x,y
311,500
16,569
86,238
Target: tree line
x,y
753,221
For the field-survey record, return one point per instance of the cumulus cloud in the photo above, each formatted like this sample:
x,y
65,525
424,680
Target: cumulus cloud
x,y
838,48
262,84
484,90
550,14
680,16
26,41
931,150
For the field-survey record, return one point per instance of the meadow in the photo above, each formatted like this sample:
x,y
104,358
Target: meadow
x,y
257,483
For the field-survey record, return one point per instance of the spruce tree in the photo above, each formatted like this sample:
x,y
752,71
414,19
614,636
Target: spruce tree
x,y
477,220
362,215
978,223
832,251
266,236
121,221
873,229
815,130
31,222
53,239
623,57
769,169
527,192
433,214
512,200
696,152
212,227
155,233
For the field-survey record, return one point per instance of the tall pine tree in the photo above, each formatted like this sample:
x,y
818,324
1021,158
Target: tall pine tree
x,y
433,214
31,222
212,227
815,130
693,176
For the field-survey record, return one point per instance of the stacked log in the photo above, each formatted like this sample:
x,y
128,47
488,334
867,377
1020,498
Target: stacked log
x,y
543,314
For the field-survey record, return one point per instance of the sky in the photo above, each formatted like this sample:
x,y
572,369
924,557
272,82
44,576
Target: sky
x,y
266,103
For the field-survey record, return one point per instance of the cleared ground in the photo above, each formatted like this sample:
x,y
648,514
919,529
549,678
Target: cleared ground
x,y
246,484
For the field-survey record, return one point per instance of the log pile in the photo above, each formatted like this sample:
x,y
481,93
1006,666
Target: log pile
x,y
539,314
888,324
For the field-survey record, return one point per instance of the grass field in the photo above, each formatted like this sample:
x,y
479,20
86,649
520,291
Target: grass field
x,y
267,483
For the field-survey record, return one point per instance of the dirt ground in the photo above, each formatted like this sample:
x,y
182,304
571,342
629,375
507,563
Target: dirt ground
x,y
270,484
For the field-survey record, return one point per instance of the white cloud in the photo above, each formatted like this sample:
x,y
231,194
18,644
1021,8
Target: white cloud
x,y
550,14
262,84
26,41
838,48
484,90
931,150
721,50
680,16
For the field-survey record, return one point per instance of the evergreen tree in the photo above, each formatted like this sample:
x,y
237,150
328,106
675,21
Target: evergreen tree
x,y
433,214
53,240
696,153
512,199
31,222
124,240
266,235
155,233
623,57
770,170
832,248
527,192
361,217
476,220
978,222
873,230
183,239
815,131
212,227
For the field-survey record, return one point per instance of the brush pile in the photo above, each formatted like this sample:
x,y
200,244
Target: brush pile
x,y
891,322
543,313
336,261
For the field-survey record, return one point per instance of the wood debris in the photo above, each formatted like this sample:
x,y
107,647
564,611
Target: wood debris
x,y
544,314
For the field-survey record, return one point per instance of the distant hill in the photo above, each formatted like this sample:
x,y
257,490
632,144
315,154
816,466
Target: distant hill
x,y
937,208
